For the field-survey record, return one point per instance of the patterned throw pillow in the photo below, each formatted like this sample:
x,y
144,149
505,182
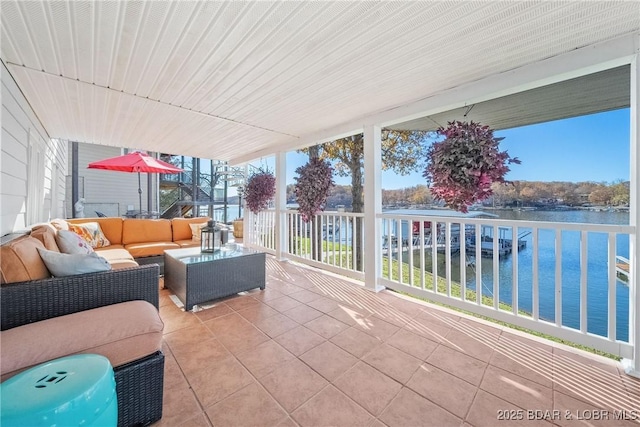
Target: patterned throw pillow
x,y
195,231
71,243
92,233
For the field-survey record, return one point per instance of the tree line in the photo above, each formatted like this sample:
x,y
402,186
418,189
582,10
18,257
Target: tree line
x,y
516,193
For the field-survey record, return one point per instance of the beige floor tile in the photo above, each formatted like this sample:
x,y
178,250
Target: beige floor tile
x,y
328,360
276,325
302,313
175,319
377,327
243,339
323,304
213,384
368,387
538,367
251,406
226,324
348,315
188,337
488,410
304,296
241,302
283,303
458,364
600,412
218,310
434,331
331,407
475,343
515,389
293,384
202,356
288,422
199,420
267,294
443,389
257,312
265,358
178,404
412,344
326,326
355,342
393,362
299,340
410,409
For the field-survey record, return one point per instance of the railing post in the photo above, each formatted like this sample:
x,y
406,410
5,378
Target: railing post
x,y
372,207
281,205
632,367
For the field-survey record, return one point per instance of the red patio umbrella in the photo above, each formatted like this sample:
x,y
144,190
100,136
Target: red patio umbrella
x,y
135,161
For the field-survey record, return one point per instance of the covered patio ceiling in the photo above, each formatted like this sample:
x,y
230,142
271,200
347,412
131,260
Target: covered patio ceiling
x,y
228,79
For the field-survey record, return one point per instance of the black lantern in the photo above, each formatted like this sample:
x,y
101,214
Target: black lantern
x,y
210,237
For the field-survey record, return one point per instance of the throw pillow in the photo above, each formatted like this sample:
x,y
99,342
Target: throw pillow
x,y
92,233
195,231
60,224
71,243
60,264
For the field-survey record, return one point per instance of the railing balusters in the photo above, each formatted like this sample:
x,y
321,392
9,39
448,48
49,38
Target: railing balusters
x,y
447,256
422,269
535,289
611,255
496,268
463,261
434,254
514,270
584,268
558,296
410,253
478,264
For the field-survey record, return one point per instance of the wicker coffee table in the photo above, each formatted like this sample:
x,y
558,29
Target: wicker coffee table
x,y
196,277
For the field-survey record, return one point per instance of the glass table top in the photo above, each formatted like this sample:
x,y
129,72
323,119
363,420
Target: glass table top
x,y
194,255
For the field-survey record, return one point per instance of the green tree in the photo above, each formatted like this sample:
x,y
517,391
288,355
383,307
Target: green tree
x,y
402,152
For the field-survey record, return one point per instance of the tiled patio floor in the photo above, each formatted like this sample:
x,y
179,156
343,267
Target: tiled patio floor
x,y
313,349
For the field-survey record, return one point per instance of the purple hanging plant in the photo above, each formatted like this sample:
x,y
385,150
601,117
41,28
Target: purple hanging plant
x,y
260,189
462,167
312,186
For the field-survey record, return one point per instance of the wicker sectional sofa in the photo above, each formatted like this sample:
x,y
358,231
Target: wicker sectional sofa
x,y
44,317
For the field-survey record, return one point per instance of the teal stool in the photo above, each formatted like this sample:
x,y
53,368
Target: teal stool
x,y
76,390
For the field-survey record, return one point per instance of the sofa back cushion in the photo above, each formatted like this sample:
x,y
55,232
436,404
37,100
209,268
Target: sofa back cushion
x,y
111,227
135,230
181,229
47,235
20,261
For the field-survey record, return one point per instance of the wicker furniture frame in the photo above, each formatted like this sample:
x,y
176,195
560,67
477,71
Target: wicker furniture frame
x,y
197,282
139,384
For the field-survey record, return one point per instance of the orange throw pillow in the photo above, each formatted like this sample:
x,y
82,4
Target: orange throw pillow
x,y
92,233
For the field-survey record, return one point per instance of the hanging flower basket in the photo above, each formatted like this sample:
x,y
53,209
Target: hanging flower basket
x,y
313,183
461,168
260,189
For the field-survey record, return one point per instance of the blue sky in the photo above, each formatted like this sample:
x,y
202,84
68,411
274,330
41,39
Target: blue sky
x,y
585,148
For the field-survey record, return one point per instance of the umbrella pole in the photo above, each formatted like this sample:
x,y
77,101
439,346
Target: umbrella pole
x,y
139,195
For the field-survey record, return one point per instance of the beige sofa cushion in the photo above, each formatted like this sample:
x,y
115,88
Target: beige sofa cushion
x,y
20,260
140,250
117,257
121,332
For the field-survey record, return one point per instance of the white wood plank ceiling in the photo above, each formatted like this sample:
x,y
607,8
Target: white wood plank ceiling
x,y
225,79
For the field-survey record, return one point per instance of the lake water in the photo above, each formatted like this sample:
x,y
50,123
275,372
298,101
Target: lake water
x,y
597,282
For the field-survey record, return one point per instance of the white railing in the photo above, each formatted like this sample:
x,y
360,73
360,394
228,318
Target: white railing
x,y
555,278
339,234
338,231
560,279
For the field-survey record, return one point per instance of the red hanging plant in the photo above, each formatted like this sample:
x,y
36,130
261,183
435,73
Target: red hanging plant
x,y
461,168
260,189
313,183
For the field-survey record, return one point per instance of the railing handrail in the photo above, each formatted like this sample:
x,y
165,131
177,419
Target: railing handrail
x,y
332,213
569,226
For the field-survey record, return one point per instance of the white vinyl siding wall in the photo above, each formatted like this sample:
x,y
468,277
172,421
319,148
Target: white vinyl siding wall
x,y
109,192
30,192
